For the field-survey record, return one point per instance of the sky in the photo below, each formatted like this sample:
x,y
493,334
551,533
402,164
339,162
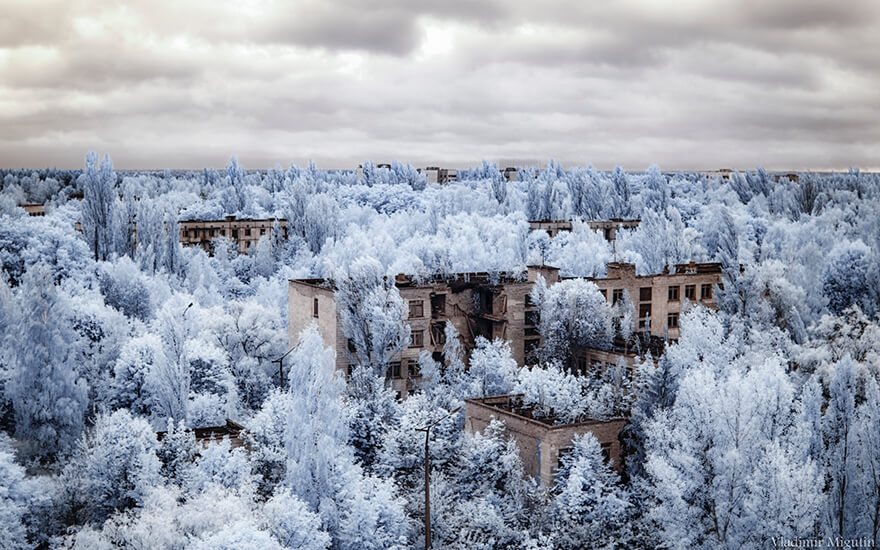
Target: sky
x,y
686,85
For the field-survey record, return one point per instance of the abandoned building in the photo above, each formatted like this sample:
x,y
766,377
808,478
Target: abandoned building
x,y
206,435
34,209
609,228
245,232
435,174
475,303
541,442
658,299
637,347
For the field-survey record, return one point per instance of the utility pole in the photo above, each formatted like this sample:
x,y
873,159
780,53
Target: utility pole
x,y
427,430
280,362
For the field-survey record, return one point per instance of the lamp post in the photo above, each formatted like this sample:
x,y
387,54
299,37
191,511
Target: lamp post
x,y
427,430
280,362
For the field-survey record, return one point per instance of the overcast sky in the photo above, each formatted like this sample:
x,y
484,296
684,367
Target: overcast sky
x,y
685,84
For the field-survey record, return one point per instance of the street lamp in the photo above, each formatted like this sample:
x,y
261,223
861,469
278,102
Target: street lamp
x,y
280,365
427,430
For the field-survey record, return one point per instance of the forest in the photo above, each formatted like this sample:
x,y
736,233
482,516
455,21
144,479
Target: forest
x,y
759,426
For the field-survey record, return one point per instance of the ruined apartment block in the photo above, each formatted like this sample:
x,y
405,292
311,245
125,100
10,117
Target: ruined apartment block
x,y
541,442
609,228
475,303
658,301
245,232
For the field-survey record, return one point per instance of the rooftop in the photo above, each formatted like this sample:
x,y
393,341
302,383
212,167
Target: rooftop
x,y
512,405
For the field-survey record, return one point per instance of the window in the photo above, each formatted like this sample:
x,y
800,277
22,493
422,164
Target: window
x,y
616,295
418,339
644,315
235,233
582,364
690,292
351,347
672,320
416,308
533,318
673,293
315,307
531,351
606,452
645,294
604,293
706,292
262,231
395,369
247,232
412,369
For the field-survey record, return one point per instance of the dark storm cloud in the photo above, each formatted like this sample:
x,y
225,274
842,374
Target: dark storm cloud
x,y
694,84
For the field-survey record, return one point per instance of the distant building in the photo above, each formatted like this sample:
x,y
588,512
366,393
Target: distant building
x,y
628,352
34,209
790,176
510,173
658,299
475,303
609,228
724,174
245,232
540,442
214,434
435,174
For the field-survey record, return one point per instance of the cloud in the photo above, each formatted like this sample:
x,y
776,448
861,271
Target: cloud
x,y
788,84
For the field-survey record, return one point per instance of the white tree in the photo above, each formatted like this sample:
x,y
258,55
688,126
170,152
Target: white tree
x,y
293,525
710,452
492,369
553,393
574,316
358,511
13,499
589,506
113,469
99,200
372,313
168,378
48,398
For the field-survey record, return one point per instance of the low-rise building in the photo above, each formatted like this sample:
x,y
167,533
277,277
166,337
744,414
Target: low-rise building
x,y
540,441
207,435
34,209
609,228
477,304
435,174
245,232
626,351
658,299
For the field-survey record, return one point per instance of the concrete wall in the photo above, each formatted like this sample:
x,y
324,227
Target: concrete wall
x,y
623,276
300,312
244,232
539,443
505,320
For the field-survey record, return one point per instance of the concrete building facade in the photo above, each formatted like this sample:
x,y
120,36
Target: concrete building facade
x,y
658,299
540,442
475,303
245,232
609,228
